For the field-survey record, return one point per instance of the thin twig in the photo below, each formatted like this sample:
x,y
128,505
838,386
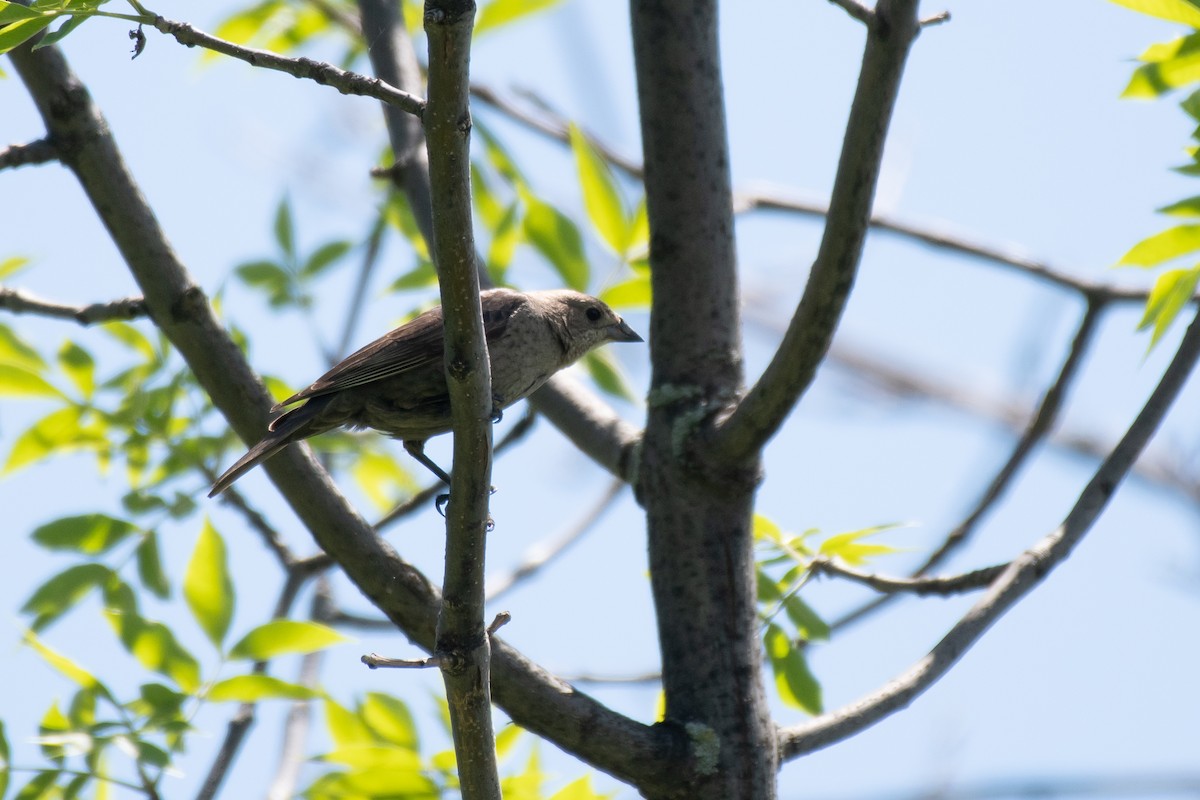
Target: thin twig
x,y
20,302
318,71
271,537
935,19
39,151
1019,578
946,585
543,553
770,199
376,661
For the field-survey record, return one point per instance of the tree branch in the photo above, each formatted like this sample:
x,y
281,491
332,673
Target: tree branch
x,y
946,585
769,199
760,414
463,650
318,71
19,302
1018,579
41,151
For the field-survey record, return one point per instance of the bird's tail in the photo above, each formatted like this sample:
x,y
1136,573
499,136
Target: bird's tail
x,y
291,427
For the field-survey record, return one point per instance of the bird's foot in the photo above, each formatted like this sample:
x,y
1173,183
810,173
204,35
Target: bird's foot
x,y
441,500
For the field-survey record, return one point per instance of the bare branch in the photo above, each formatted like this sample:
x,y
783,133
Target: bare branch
x,y
258,522
463,650
856,10
318,71
20,302
760,414
775,200
543,553
947,585
41,151
376,661
551,124
292,755
1039,427
935,19
590,424
1018,579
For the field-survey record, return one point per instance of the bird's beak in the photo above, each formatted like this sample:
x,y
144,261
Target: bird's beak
x,y
621,332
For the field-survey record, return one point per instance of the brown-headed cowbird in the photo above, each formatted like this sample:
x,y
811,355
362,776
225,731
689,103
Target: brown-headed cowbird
x,y
397,386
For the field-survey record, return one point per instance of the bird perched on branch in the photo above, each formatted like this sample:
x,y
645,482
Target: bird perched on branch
x,y
397,385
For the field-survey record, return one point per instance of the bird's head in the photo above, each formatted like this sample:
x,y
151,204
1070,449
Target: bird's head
x,y
584,321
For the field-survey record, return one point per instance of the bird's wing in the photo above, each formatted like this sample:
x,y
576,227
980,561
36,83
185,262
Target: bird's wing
x,y
415,344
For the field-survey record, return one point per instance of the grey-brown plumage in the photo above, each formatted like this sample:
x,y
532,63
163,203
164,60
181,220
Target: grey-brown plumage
x,y
397,386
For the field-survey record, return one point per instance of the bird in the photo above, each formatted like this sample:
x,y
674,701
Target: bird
x,y
397,385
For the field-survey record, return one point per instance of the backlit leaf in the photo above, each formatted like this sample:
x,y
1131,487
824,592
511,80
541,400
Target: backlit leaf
x,y
88,533
252,688
283,636
207,586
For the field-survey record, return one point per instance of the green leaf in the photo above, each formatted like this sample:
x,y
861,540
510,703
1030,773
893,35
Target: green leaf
x,y
580,789
151,643
793,680
15,350
57,432
499,13
556,237
374,756
1181,11
65,666
20,381
422,275
62,31
601,197
1184,208
382,479
14,12
149,567
809,624
633,293
207,586
252,688
79,366
132,338
1172,291
345,727
5,757
284,636
390,719
17,33
285,230
606,372
325,256
1164,246
40,786
60,593
505,239
849,546
14,264
89,533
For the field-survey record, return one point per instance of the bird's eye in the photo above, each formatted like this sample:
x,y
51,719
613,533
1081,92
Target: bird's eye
x,y
593,314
